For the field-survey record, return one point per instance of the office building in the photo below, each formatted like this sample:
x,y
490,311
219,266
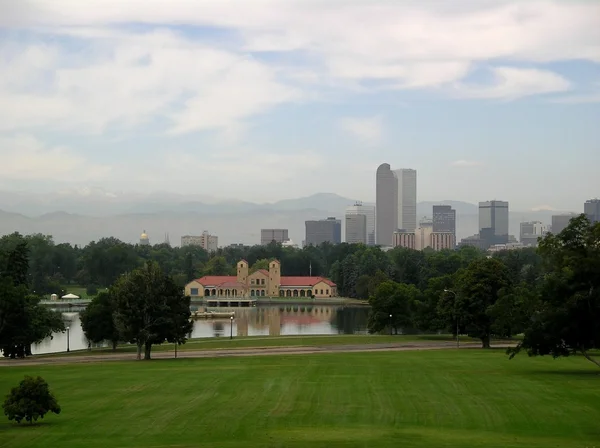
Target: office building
x,y
591,209
268,236
560,222
444,219
530,232
356,229
423,234
404,238
386,206
369,211
323,231
443,240
206,241
407,198
493,223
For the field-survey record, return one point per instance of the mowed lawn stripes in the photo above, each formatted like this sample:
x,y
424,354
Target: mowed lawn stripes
x,y
445,398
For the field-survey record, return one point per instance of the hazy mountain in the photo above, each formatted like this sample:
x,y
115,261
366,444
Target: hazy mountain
x,y
82,216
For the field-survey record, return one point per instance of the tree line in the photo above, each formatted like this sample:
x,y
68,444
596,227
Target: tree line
x,y
551,295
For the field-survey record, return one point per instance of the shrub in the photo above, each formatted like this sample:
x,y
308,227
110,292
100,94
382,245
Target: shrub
x,y
91,290
30,400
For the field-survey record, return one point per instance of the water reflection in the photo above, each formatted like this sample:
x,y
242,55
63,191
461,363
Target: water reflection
x,y
259,321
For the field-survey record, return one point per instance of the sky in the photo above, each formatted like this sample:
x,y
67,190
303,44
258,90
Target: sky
x,y
262,100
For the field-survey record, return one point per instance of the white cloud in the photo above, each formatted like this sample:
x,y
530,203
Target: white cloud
x,y
466,163
369,130
510,83
26,158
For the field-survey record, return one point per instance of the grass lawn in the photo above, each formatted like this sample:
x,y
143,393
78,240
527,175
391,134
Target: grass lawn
x,y
444,398
275,341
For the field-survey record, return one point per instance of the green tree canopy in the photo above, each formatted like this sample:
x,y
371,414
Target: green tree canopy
x,y
30,400
98,322
395,299
568,317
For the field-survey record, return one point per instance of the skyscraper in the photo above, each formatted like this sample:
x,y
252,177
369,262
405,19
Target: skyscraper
x,y
386,205
407,198
369,211
591,209
444,219
493,222
323,231
356,229
560,222
530,232
267,236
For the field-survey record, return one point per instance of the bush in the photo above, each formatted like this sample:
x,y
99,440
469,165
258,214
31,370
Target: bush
x,y
30,400
91,290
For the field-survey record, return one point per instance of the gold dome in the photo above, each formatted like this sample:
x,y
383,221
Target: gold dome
x,y
144,236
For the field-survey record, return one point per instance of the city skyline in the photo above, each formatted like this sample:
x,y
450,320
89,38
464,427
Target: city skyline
x,y
238,101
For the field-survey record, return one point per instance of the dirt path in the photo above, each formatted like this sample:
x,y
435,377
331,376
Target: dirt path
x,y
241,352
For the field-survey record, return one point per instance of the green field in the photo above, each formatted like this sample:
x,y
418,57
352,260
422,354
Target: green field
x,y
445,398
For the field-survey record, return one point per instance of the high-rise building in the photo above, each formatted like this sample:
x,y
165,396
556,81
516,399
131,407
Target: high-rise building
x,y
443,240
206,241
423,234
386,206
530,232
404,238
369,212
323,231
591,209
560,222
444,219
407,198
493,223
356,229
267,236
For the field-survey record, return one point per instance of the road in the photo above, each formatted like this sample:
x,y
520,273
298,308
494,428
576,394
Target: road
x,y
242,352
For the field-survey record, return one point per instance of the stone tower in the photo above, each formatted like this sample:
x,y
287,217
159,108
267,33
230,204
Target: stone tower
x,y
242,272
274,278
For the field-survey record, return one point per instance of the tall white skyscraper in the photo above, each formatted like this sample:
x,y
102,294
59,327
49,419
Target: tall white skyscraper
x,y
386,205
369,212
407,199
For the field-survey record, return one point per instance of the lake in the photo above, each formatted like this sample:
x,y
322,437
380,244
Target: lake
x,y
271,320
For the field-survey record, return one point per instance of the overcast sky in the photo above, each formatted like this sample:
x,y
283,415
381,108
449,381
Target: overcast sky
x,y
268,99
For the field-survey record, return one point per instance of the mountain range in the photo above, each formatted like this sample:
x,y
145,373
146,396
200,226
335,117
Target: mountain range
x,y
81,216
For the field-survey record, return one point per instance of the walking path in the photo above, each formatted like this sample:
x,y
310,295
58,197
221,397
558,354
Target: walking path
x,y
241,352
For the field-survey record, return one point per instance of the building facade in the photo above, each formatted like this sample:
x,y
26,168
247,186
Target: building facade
x,y
443,240
323,231
560,222
356,229
493,222
386,206
444,219
261,283
369,211
206,241
591,209
407,198
268,236
404,238
530,232
423,234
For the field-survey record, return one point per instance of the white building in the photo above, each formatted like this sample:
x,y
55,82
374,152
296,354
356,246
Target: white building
x,y
206,241
423,234
369,211
531,231
356,229
407,198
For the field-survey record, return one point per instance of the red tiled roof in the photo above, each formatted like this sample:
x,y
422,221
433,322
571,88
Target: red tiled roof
x,y
216,280
264,271
230,280
304,281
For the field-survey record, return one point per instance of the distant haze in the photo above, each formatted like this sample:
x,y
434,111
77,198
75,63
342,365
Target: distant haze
x,y
79,219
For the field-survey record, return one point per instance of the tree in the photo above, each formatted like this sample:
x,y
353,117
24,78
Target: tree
x,y
477,289
30,400
567,320
150,309
98,322
395,299
23,321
